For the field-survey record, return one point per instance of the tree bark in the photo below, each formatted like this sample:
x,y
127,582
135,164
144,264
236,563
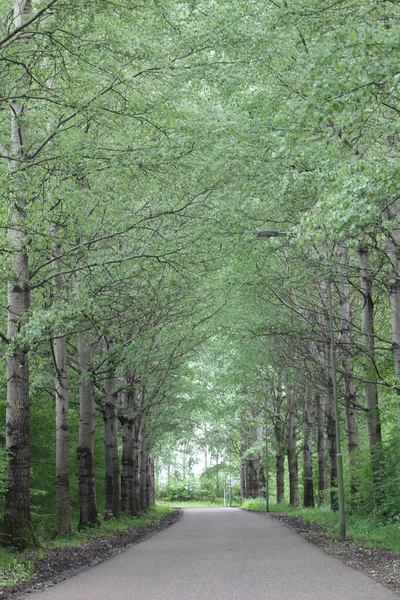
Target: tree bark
x,y
280,453
112,494
371,388
346,350
129,503
143,469
149,482
308,487
291,449
17,528
87,489
393,252
322,452
59,342
331,427
63,519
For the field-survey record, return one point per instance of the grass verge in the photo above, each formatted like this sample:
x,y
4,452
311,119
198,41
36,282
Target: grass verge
x,y
191,504
16,567
366,531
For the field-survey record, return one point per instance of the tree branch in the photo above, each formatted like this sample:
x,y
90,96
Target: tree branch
x,y
26,24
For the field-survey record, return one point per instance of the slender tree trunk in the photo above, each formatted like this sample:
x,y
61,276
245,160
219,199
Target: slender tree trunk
x,y
371,389
87,488
149,484
136,463
331,426
17,528
261,463
280,454
292,454
322,452
393,251
143,469
308,487
346,349
112,474
63,517
63,520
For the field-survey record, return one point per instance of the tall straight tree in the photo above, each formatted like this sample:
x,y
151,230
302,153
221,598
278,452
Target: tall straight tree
x,y
110,414
85,451
17,515
59,347
371,386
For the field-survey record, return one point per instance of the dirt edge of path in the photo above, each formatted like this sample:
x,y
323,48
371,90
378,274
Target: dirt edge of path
x,y
379,563
52,565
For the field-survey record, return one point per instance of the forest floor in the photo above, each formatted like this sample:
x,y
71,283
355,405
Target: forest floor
x,y
381,564
51,565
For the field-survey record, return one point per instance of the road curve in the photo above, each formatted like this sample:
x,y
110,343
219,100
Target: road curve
x,y
220,554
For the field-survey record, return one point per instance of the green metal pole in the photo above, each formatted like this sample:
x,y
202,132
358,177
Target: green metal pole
x,y
339,459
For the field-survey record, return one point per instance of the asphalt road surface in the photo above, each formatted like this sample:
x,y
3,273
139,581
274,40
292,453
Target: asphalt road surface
x,y
220,554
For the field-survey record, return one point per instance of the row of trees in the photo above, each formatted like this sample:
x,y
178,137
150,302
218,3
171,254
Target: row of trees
x,y
105,222
142,148
328,121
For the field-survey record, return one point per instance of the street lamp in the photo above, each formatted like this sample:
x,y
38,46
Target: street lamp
x,y
339,458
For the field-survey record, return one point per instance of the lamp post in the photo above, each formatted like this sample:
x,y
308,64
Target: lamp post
x,y
339,459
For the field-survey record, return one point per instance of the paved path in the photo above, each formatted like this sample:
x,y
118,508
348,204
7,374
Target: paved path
x,y
220,554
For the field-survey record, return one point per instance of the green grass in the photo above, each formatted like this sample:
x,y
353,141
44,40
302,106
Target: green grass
x,y
13,568
366,531
107,528
191,504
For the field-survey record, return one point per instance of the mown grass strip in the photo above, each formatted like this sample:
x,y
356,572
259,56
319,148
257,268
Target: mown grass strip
x,y
365,531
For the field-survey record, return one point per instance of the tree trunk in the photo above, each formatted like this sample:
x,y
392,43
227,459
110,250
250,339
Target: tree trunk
x,y
87,489
112,495
136,463
129,505
371,389
308,487
292,454
63,519
149,482
17,528
242,482
331,426
346,350
322,452
280,454
143,469
393,251
261,463
59,345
